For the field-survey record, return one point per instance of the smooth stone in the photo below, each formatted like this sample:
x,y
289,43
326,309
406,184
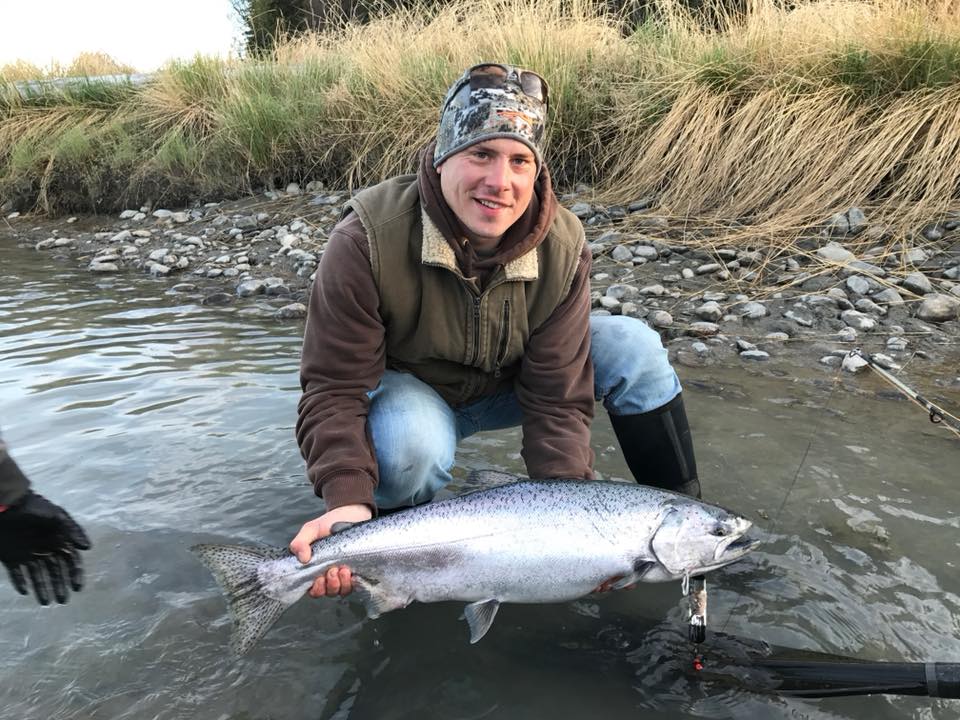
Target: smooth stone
x,y
776,336
621,253
699,348
219,298
865,305
847,334
853,363
621,292
709,311
653,290
938,308
162,214
661,319
707,268
834,252
687,274
858,320
291,311
582,210
158,269
798,319
647,252
743,345
896,344
703,329
888,296
755,355
251,287
754,310
918,283
858,285
103,267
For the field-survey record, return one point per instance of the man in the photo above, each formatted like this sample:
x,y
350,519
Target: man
x,y
39,541
457,300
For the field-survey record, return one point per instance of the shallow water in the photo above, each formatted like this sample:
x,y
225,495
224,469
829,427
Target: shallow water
x,y
160,423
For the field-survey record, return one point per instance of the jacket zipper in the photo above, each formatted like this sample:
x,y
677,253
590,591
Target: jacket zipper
x,y
504,338
476,329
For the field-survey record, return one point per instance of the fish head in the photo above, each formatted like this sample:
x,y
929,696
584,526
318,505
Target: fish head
x,y
695,537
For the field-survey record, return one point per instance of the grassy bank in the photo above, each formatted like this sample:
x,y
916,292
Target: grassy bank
x,y
778,117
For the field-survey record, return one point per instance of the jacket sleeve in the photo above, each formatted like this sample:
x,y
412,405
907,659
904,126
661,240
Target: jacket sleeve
x,y
343,359
13,483
555,387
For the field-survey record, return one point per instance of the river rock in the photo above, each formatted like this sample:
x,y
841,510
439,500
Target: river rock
x,y
250,287
656,290
217,298
707,268
938,308
646,252
158,269
847,335
582,210
865,305
755,355
888,296
703,329
853,363
918,283
896,344
162,214
621,253
798,318
858,284
834,252
754,310
622,292
857,320
103,267
661,319
122,236
709,311
291,311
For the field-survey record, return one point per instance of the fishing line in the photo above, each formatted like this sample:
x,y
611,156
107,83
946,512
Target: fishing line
x,y
793,484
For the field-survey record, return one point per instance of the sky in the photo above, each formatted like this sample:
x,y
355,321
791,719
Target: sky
x,y
134,32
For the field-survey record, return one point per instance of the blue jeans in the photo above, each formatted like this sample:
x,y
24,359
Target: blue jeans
x,y
415,432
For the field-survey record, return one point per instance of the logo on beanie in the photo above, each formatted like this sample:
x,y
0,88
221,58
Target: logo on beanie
x,y
518,118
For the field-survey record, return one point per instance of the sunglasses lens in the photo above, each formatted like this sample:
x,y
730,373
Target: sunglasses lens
x,y
495,76
533,86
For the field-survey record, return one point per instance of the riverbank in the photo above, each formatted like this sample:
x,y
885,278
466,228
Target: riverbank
x,y
716,296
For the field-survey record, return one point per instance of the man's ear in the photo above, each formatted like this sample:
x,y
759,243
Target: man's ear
x,y
439,168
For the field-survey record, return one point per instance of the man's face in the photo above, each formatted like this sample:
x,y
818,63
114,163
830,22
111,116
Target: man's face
x,y
488,186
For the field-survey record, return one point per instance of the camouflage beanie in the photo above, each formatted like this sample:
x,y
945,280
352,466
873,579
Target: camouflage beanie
x,y
473,113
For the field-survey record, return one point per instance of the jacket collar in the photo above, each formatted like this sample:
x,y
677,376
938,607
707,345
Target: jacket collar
x,y
437,251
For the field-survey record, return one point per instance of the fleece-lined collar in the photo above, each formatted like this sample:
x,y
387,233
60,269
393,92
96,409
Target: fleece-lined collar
x,y
437,251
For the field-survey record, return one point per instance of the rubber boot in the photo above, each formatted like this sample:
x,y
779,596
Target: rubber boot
x,y
658,448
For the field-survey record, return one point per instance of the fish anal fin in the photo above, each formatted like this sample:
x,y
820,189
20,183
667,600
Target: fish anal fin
x,y
480,617
376,598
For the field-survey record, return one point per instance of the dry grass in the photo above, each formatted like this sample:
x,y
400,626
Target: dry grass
x,y
777,118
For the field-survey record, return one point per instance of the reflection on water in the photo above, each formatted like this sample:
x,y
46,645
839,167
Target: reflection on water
x,y
161,423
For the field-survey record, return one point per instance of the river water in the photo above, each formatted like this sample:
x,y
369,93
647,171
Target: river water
x,y
160,423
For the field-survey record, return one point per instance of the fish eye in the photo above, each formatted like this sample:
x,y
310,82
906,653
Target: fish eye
x,y
719,531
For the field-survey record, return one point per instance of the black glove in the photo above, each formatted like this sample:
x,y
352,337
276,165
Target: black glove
x,y
41,541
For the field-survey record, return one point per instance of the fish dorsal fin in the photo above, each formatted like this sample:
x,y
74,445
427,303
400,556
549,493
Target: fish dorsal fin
x,y
375,597
480,617
490,478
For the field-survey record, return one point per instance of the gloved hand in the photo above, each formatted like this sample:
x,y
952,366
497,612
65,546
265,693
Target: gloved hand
x,y
41,541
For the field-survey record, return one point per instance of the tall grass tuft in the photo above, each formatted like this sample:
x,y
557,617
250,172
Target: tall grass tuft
x,y
776,115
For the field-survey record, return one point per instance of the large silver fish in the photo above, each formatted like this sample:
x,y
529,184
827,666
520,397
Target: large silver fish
x,y
532,541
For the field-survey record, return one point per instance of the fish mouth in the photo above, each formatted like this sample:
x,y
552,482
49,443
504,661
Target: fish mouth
x,y
730,552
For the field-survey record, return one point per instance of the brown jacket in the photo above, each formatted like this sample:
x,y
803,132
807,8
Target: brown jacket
x,y
357,326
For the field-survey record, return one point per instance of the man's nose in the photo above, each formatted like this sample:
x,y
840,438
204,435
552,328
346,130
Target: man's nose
x,y
498,174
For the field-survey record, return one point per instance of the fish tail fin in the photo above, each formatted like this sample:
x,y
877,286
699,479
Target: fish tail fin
x,y
235,569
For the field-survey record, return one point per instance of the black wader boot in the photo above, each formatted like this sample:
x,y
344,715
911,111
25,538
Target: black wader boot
x,y
659,452
658,448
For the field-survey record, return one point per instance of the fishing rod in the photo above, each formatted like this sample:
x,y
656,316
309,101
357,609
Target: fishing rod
x,y
937,414
758,667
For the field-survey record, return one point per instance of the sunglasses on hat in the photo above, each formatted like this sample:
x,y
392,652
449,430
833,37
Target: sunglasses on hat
x,y
496,76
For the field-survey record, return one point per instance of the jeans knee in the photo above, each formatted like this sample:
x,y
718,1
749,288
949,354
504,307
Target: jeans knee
x,y
631,366
412,473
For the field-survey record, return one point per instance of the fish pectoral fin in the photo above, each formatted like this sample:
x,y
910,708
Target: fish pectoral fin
x,y
375,597
640,569
480,617
340,527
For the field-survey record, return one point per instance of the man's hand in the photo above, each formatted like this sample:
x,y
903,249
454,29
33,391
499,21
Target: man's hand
x,y
338,580
41,541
